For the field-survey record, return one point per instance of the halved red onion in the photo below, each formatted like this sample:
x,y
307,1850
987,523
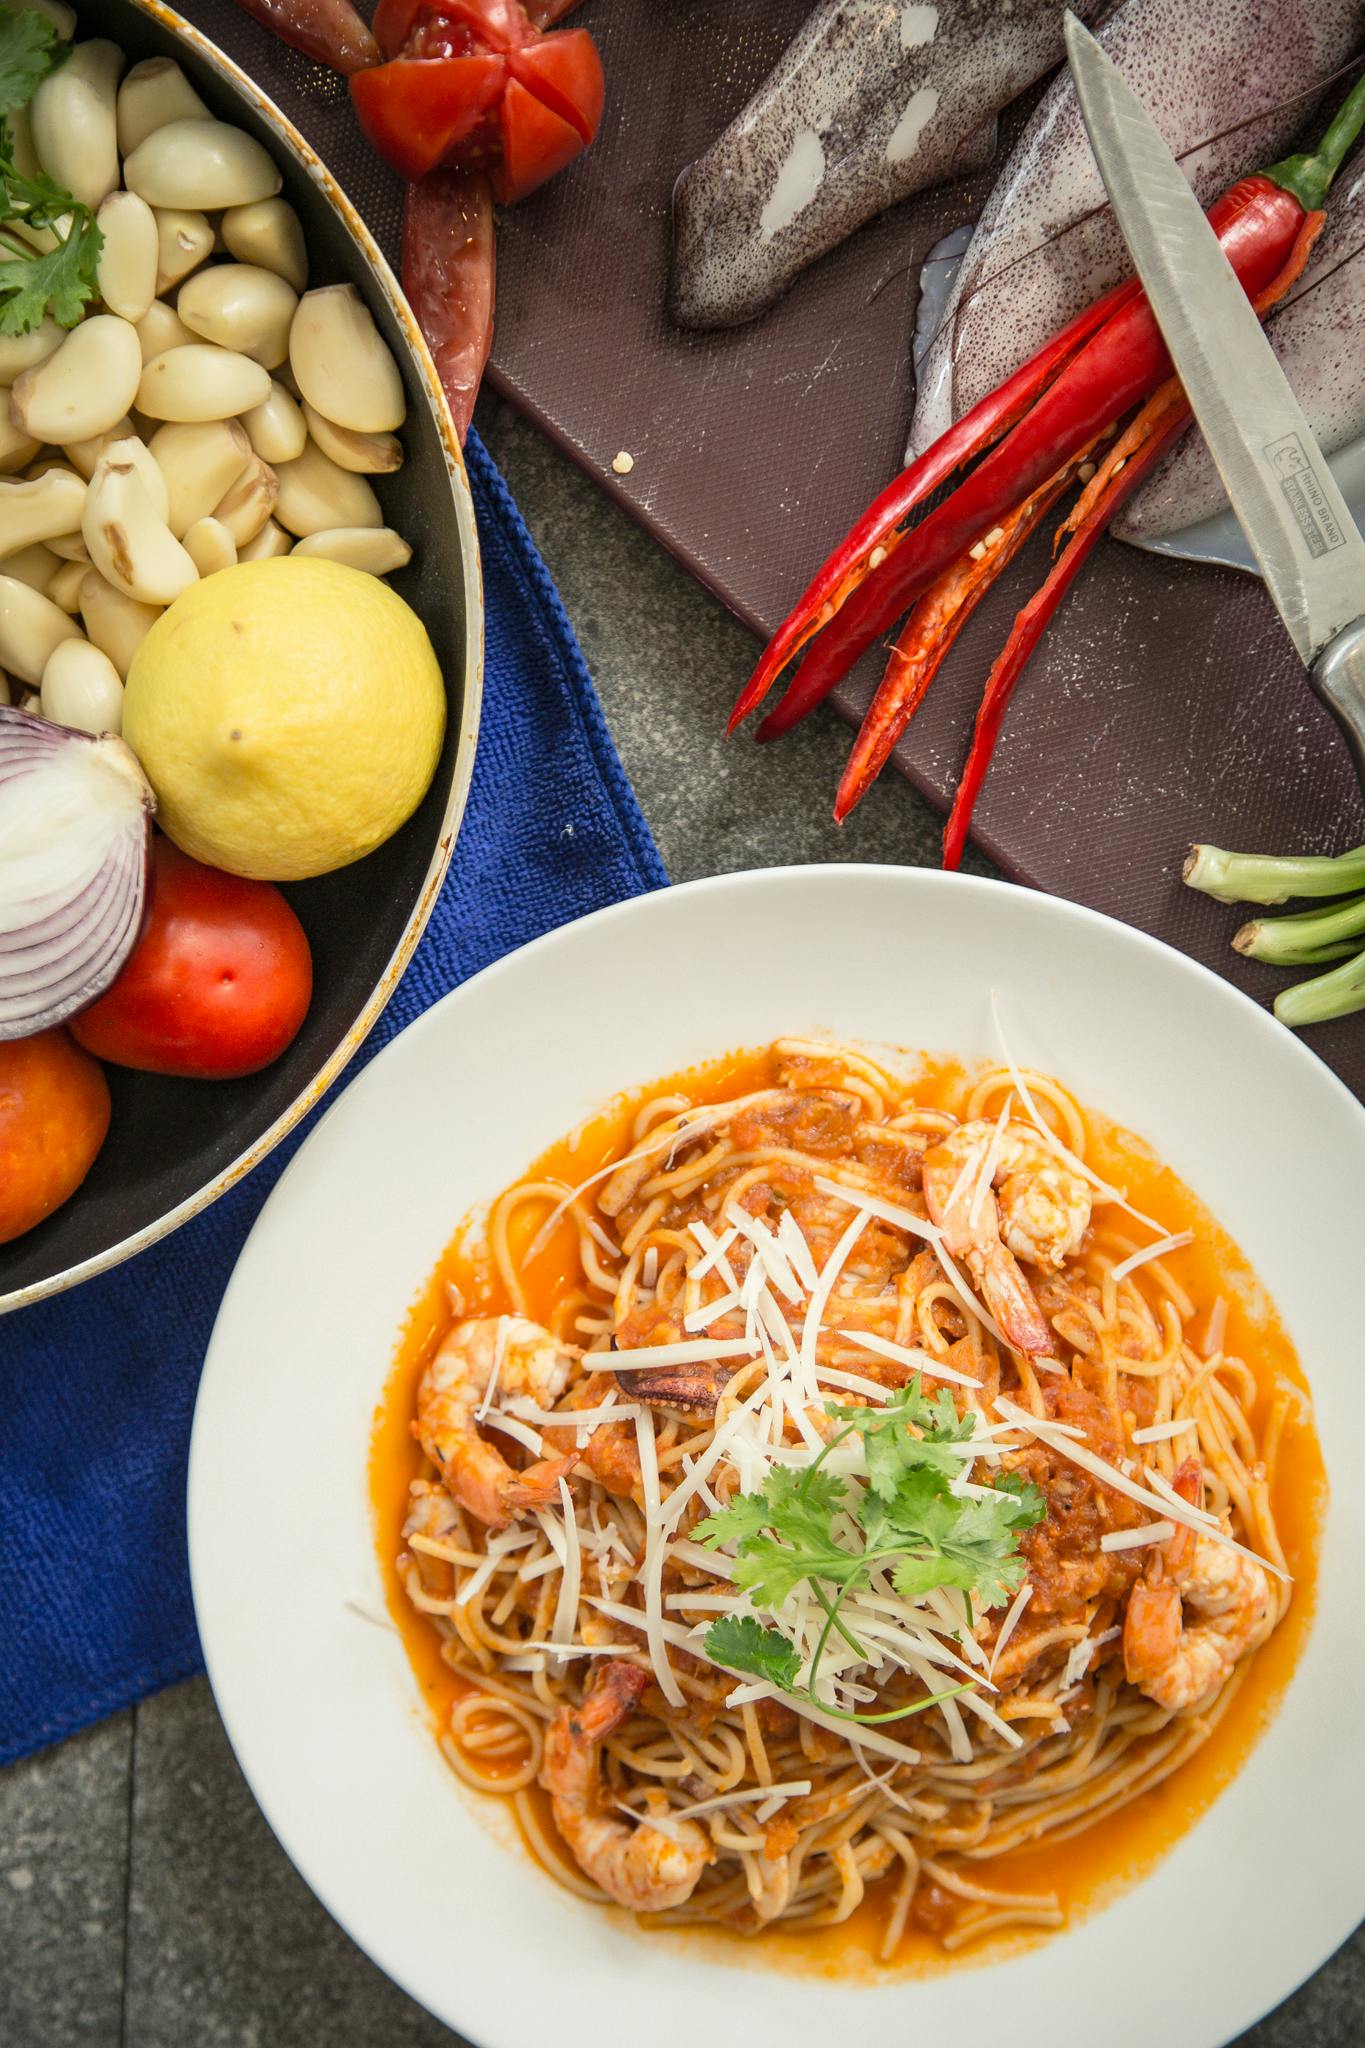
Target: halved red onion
x,y
75,833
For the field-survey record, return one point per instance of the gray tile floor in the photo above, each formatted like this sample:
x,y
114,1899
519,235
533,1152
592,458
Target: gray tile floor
x,y
143,1901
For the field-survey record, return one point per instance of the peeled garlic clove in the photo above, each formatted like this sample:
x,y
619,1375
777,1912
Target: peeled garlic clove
x,y
155,92
378,550
276,429
315,494
200,461
268,233
210,546
127,267
202,164
199,382
129,545
342,362
37,566
246,507
38,510
16,448
184,241
272,540
65,587
161,328
116,624
129,448
83,455
82,389
71,547
240,306
366,454
20,352
72,120
30,627
81,688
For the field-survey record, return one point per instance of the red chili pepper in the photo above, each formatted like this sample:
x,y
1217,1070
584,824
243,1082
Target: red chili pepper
x,y
448,275
477,85
1031,435
329,30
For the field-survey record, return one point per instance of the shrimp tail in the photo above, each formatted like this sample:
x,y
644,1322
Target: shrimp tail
x,y
1151,1632
1188,1481
1012,1302
538,1484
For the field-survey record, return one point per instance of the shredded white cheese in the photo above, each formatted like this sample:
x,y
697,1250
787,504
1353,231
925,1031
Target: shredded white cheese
x,y
1141,1538
1162,1432
1174,1243
1082,1455
654,1562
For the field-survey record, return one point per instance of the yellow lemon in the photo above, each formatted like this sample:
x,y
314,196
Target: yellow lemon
x,y
289,715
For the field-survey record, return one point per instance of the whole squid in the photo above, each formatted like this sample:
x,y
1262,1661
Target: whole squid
x,y
1230,83
1319,336
874,100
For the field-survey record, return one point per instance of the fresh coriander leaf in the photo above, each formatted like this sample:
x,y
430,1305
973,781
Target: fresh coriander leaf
x,y
37,200
29,48
1033,1505
970,1542
60,282
746,1516
913,1429
741,1643
770,1572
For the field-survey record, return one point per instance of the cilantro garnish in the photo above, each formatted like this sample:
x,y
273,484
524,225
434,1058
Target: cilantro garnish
x,y
809,1527
35,282
30,47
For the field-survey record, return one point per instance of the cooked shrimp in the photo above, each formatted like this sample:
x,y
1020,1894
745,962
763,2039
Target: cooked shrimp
x,y
1034,1208
1176,1660
527,1360
640,1867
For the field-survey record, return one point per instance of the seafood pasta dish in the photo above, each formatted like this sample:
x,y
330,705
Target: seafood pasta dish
x,y
835,1488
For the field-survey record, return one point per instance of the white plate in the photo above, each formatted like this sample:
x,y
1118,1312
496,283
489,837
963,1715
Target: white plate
x,y
321,1707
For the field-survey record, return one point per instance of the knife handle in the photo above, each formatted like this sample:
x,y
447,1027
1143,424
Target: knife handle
x,y
1338,676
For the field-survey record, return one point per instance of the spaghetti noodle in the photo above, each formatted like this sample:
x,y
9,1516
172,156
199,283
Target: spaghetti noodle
x,y
755,1286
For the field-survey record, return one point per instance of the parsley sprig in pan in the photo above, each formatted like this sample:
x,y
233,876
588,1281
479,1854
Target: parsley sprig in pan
x,y
809,1527
35,282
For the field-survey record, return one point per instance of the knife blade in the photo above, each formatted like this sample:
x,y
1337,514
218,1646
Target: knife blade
x,y
1296,521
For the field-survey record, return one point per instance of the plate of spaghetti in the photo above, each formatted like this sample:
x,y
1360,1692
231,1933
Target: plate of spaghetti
x,y
828,1411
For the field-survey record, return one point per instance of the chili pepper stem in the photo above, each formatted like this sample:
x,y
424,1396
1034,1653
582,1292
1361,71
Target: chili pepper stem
x,y
1309,175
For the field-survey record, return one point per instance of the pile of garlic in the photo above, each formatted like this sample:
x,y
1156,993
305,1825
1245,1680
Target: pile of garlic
x,y
209,409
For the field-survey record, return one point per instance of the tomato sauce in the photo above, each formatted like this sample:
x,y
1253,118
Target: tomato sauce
x,y
1091,1868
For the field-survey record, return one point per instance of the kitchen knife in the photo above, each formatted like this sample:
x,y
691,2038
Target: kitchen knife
x,y
1295,519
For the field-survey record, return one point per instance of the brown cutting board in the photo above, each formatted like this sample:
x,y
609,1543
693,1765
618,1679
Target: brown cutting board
x,y
1166,703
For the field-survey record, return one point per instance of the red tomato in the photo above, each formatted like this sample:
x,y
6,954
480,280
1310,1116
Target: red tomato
x,y
54,1113
448,273
217,985
473,85
415,110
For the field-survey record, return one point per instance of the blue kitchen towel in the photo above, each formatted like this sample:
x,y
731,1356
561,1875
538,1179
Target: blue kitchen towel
x,y
97,1386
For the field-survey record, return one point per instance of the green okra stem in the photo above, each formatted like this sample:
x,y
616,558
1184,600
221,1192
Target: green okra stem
x,y
1271,877
1306,940
1335,994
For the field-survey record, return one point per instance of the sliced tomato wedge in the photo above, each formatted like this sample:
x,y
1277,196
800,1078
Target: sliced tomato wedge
x,y
478,85
535,144
416,110
565,72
